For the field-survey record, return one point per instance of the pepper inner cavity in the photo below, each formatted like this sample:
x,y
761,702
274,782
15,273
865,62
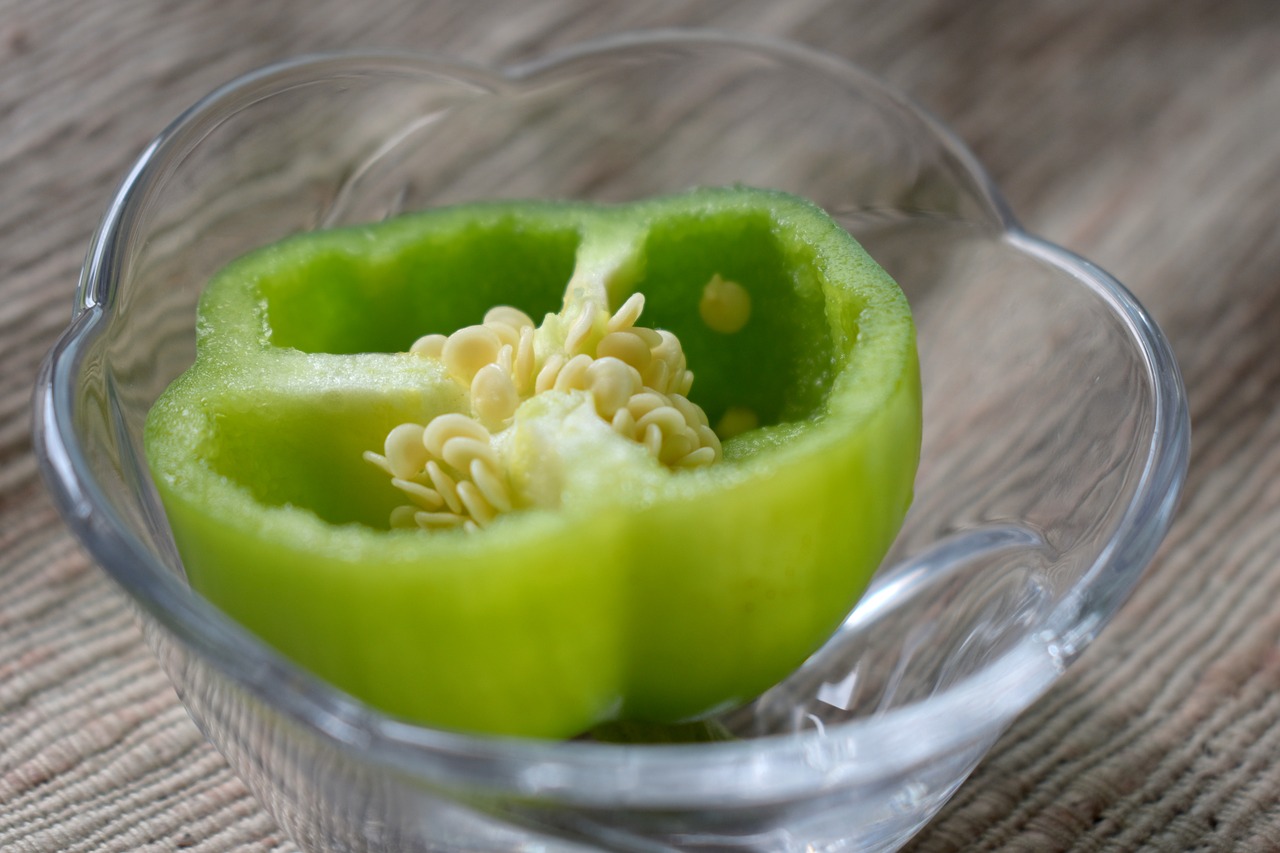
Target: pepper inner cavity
x,y
453,469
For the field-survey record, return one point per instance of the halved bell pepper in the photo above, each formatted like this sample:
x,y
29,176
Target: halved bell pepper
x,y
613,584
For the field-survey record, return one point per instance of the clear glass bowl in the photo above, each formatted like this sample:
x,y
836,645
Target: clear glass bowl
x,y
1055,444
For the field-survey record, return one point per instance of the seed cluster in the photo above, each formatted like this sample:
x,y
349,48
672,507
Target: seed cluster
x,y
637,379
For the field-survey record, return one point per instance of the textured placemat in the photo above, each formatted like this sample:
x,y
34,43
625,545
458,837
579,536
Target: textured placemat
x,y
1143,135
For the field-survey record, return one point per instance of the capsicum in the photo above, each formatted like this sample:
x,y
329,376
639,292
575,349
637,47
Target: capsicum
x,y
650,505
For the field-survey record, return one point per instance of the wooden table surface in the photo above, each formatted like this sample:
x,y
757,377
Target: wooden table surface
x,y
1144,135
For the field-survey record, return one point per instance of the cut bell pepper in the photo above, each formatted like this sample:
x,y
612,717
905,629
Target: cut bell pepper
x,y
616,587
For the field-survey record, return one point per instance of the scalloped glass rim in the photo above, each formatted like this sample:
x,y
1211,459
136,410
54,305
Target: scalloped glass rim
x,y
976,708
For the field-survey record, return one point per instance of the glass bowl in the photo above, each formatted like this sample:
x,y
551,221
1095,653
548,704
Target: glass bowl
x,y
1055,443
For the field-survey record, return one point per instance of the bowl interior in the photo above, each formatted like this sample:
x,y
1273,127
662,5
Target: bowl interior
x,y
1054,423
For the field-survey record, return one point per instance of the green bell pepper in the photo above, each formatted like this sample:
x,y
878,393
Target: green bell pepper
x,y
609,572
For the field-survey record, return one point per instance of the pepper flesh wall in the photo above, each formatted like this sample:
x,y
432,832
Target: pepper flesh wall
x,y
592,569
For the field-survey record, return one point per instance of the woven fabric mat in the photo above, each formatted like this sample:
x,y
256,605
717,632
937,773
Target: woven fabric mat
x,y
1144,135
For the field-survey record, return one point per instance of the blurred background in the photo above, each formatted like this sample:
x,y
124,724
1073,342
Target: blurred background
x,y
1143,135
